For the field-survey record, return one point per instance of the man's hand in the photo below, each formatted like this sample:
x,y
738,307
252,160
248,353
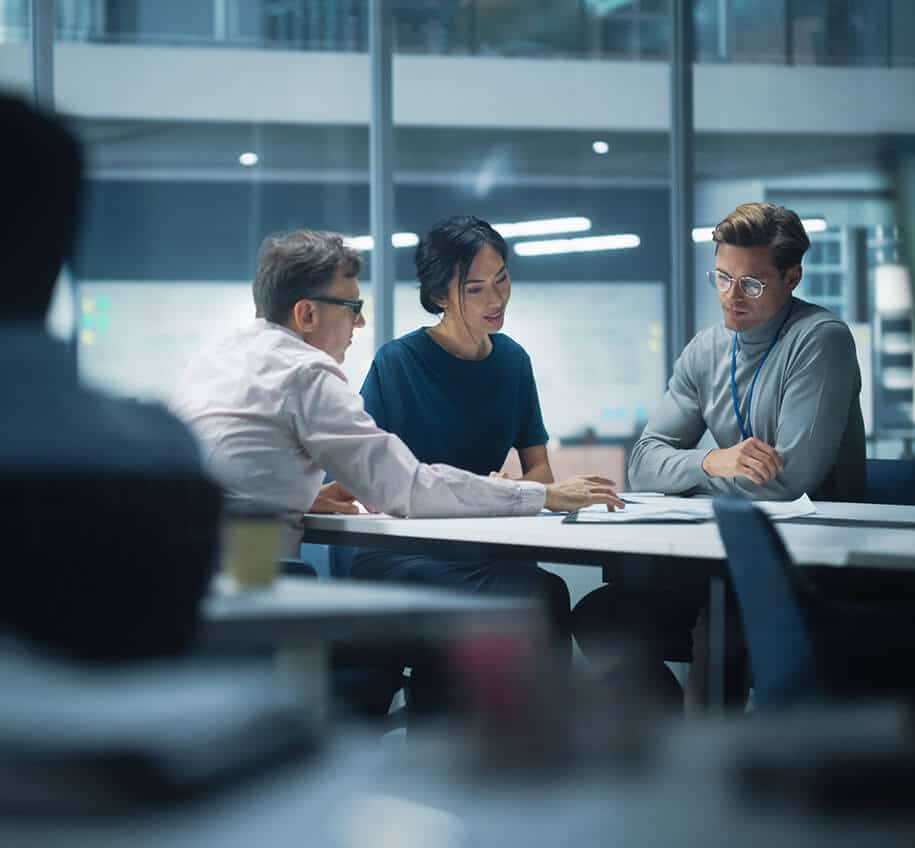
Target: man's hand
x,y
334,498
751,458
500,474
577,492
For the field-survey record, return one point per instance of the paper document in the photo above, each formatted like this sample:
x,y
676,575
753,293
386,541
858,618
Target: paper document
x,y
669,508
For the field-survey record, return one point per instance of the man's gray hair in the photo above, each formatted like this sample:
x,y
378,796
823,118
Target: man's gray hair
x,y
297,265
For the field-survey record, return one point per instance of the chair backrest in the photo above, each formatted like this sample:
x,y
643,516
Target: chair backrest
x,y
110,564
771,597
891,481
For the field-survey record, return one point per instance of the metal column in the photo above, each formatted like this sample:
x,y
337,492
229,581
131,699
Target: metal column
x,y
381,179
681,312
43,12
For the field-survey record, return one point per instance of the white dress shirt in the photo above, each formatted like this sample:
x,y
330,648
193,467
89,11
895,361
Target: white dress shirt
x,y
273,414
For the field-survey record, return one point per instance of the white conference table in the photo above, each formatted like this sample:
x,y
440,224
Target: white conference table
x,y
841,535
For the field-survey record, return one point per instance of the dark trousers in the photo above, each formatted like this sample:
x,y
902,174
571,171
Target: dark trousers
x,y
649,614
496,578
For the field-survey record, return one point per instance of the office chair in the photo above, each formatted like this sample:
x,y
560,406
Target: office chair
x,y
107,564
890,481
802,646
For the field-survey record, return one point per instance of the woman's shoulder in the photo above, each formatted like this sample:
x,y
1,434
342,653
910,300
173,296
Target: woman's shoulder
x,y
406,352
396,348
506,346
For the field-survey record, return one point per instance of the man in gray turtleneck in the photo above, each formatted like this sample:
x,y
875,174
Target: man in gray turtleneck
x,y
776,384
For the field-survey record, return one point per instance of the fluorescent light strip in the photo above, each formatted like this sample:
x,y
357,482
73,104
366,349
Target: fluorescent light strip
x,y
517,229
577,245
702,234
814,225
543,227
811,225
397,240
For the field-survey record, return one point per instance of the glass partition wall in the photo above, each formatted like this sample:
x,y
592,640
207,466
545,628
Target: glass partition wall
x,y
209,124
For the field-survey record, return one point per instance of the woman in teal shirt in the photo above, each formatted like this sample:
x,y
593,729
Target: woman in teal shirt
x,y
463,393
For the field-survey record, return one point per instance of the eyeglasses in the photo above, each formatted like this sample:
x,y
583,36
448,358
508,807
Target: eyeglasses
x,y
354,305
750,286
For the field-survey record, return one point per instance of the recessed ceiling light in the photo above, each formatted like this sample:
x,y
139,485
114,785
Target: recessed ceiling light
x,y
247,159
600,147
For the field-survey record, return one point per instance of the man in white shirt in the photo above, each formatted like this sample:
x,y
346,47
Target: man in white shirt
x,y
274,412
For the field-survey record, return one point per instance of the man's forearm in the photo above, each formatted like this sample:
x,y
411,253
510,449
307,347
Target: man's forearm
x,y
656,466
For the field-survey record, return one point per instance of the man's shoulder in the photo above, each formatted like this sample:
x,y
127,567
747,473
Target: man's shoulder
x,y
102,432
159,437
807,315
815,325
257,360
275,347
706,342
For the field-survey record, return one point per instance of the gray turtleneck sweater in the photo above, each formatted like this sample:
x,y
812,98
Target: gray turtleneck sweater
x,y
805,403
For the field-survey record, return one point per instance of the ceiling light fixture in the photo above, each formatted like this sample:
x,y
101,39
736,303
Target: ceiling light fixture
x,y
543,227
600,147
577,245
247,159
815,225
397,240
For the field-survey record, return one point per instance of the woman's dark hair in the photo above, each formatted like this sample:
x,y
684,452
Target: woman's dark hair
x,y
452,243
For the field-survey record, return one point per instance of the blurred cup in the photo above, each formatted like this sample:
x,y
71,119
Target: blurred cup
x,y
252,544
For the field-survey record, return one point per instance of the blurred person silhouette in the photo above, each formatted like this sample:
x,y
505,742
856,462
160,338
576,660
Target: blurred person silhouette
x,y
109,525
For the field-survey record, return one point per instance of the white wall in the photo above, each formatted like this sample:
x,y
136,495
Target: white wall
x,y
198,84
16,68
135,338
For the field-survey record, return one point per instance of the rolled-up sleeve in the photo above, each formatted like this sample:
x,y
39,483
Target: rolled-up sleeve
x,y
342,438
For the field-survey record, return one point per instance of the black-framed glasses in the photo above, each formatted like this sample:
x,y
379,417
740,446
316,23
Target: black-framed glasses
x,y
354,305
750,286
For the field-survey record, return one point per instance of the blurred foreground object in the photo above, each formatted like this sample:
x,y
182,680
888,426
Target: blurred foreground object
x,y
84,740
803,647
109,526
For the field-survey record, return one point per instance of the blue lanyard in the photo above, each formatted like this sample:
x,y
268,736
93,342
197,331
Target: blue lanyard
x,y
747,431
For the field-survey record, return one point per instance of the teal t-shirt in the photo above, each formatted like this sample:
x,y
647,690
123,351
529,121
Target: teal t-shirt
x,y
468,414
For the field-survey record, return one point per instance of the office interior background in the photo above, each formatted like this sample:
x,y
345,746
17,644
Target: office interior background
x,y
209,123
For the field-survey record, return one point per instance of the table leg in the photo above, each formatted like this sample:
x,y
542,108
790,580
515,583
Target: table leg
x,y
717,626
304,669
